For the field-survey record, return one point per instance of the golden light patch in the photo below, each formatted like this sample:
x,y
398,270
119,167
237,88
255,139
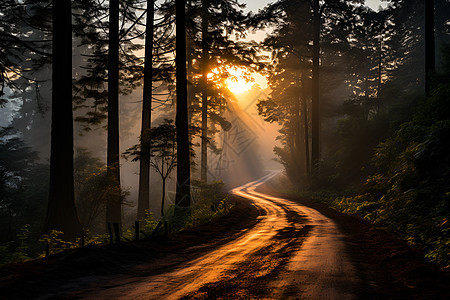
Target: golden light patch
x,y
238,83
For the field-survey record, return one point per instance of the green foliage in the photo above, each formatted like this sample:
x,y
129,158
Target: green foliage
x,y
17,251
146,227
56,242
93,238
409,192
148,224
210,202
204,212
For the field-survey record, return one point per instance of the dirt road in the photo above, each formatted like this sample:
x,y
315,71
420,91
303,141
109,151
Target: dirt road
x,y
294,251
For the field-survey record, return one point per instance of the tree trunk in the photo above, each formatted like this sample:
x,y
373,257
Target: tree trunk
x,y
305,127
205,59
163,195
144,163
430,62
61,211
113,206
183,190
298,134
315,91
190,83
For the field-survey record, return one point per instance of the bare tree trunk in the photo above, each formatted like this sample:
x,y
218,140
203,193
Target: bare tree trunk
x,y
61,211
430,56
144,164
298,133
183,193
190,84
205,59
113,206
305,127
163,195
315,91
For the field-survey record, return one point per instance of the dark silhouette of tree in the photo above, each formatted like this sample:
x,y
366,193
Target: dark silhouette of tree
x,y
303,113
307,33
25,48
61,213
322,10
289,80
156,73
90,88
205,70
387,77
315,115
408,42
113,207
183,189
369,53
144,165
163,154
91,28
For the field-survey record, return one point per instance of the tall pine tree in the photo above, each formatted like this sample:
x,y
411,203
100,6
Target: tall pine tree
x,y
61,213
183,188
113,206
144,163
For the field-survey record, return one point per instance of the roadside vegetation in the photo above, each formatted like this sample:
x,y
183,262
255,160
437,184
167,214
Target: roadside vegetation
x,y
210,201
408,191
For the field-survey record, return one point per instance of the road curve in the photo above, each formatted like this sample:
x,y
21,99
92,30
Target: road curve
x,y
292,252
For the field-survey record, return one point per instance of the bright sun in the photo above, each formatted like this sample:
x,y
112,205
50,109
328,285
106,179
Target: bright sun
x,y
238,83
238,80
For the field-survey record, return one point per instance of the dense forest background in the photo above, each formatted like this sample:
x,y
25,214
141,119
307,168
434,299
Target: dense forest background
x,y
360,98
384,113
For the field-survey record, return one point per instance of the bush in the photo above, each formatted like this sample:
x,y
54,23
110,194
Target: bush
x,y
210,202
410,193
56,243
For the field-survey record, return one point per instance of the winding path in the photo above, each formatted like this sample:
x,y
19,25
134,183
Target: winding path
x,y
292,252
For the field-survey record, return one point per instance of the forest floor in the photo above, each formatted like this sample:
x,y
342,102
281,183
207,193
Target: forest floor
x,y
266,247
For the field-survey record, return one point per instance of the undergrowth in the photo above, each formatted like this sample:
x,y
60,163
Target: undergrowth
x,y
209,202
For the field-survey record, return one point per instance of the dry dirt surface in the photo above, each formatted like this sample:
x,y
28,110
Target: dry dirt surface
x,y
271,246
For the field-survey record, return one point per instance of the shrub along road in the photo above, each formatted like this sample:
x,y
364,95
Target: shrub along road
x,y
269,246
